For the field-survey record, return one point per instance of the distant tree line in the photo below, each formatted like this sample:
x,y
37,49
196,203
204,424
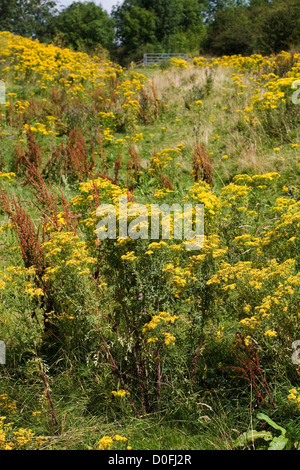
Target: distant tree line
x,y
215,27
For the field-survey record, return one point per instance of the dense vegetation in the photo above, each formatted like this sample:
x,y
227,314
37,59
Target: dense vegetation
x,y
211,27
137,343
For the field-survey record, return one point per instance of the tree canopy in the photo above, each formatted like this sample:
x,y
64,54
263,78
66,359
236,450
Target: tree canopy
x,y
257,26
136,26
84,26
28,18
168,26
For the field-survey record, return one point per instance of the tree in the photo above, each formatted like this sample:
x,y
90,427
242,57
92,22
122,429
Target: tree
x,y
135,27
84,26
280,26
231,32
28,18
212,7
166,26
260,26
168,16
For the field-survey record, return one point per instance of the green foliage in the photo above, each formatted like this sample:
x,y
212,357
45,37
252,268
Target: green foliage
x,y
218,27
106,332
135,29
279,26
143,25
27,18
231,32
84,26
276,442
261,26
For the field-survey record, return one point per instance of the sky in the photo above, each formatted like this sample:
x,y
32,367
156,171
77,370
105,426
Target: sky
x,y
106,4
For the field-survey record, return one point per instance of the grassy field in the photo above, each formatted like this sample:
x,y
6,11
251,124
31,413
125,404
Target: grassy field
x,y
137,343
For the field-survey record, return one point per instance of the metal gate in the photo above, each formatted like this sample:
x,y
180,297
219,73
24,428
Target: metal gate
x,y
155,58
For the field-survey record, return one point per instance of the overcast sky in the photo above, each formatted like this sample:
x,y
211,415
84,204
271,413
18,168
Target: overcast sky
x,y
106,4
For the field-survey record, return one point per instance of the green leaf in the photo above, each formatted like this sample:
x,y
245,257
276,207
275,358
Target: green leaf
x,y
266,418
249,436
278,443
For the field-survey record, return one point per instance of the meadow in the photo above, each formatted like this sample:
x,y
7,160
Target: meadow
x,y
142,344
